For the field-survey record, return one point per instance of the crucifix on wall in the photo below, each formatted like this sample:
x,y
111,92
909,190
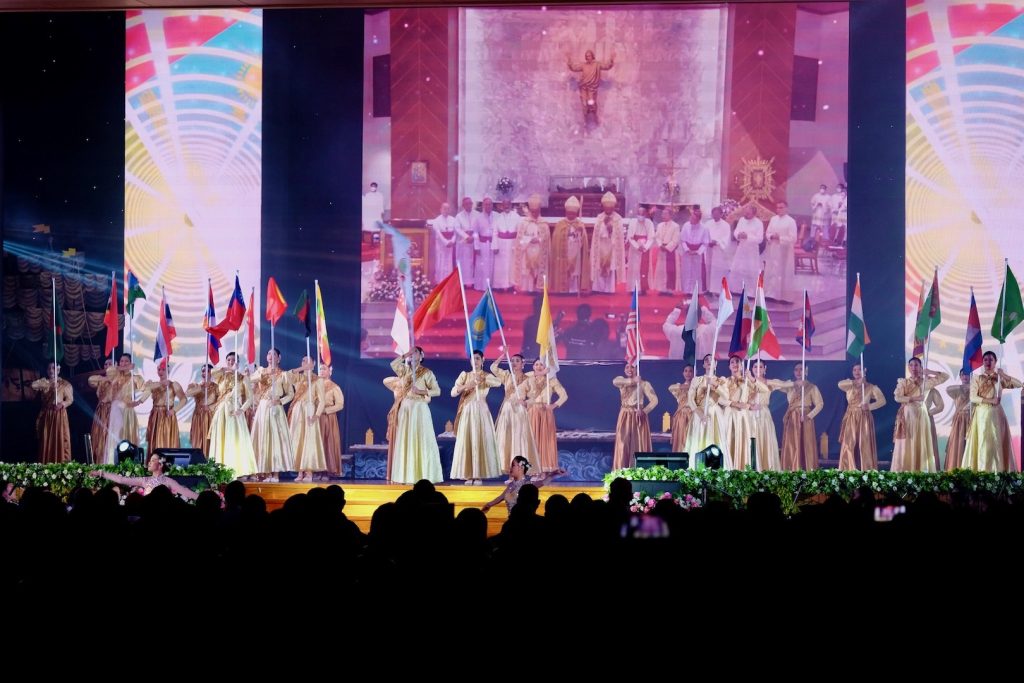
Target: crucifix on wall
x,y
670,192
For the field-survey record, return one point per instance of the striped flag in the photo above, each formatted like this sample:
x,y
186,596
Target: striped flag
x,y
856,331
762,338
806,331
165,332
235,316
209,321
634,345
972,345
321,327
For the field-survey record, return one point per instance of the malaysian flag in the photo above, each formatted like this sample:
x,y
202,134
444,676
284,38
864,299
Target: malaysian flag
x,y
634,345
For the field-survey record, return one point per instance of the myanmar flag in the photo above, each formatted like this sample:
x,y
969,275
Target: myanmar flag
x,y
321,327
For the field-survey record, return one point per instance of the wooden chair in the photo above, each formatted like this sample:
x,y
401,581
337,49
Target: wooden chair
x,y
806,261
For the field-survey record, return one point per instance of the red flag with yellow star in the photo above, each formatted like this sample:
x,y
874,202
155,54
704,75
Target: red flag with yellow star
x,y
444,299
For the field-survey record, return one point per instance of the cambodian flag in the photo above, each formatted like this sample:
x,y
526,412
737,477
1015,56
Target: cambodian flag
x,y
806,331
972,346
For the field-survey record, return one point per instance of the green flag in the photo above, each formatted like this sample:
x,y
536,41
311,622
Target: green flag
x,y
930,315
134,292
1009,310
301,310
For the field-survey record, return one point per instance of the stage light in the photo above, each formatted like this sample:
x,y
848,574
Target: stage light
x,y
710,458
126,450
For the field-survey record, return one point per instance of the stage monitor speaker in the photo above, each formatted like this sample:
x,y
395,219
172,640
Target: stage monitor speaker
x,y
673,461
182,457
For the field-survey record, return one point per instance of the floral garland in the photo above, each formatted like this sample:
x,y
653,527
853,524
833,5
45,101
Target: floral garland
x,y
794,488
63,478
384,285
643,503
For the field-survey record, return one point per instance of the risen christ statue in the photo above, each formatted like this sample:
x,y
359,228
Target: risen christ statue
x,y
590,79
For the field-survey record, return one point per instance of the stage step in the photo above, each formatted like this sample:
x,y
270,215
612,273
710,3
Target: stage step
x,y
363,499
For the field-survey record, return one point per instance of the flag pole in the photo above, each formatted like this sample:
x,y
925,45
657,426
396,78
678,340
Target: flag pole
x,y
714,362
547,373
1002,314
235,391
410,310
803,362
970,405
636,298
53,292
112,275
760,279
504,344
863,377
252,298
309,385
928,341
316,292
206,384
465,313
131,346
714,349
639,403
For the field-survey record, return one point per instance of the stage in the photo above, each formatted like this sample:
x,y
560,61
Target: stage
x,y
363,498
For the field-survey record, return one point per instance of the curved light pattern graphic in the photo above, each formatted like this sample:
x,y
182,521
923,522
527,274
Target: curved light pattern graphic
x,y
193,171
965,162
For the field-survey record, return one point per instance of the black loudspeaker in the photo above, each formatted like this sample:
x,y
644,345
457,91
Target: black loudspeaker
x,y
804,100
182,457
673,461
381,86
